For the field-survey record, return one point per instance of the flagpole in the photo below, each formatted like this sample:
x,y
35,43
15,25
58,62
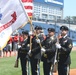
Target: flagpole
x,y
30,36
30,21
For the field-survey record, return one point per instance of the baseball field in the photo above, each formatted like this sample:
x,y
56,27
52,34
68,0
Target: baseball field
x,y
7,66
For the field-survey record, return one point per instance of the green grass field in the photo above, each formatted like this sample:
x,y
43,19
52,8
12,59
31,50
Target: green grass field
x,y
73,59
7,65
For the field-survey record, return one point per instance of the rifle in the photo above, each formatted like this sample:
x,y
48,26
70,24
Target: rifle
x,y
17,60
55,64
16,63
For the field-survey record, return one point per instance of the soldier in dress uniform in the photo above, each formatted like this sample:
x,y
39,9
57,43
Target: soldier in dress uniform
x,y
64,49
23,52
35,55
49,53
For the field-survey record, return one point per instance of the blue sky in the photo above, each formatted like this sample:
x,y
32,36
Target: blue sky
x,y
69,8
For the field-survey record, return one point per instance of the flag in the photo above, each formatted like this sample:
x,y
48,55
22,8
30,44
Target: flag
x,y
12,17
28,5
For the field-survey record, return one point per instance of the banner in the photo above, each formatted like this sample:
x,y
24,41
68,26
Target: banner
x,y
12,17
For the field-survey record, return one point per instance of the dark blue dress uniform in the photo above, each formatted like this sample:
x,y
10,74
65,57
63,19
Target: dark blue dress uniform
x,y
64,59
49,55
22,54
35,54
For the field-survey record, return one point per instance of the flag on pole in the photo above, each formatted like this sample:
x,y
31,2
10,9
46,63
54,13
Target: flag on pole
x,y
12,17
28,5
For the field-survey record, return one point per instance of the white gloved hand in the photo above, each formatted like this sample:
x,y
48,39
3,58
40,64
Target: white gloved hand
x,y
38,40
42,50
58,45
30,33
19,46
29,52
55,61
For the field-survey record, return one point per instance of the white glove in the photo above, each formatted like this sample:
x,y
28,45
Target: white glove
x,y
30,33
55,61
58,46
29,52
19,46
42,50
38,40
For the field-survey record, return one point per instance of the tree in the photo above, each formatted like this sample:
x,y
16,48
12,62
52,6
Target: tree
x,y
74,19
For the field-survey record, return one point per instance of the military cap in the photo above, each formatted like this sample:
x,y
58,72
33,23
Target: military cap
x,y
38,27
25,32
51,29
64,28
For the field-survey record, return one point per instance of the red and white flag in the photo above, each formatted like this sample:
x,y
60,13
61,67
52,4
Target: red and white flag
x,y
12,17
28,5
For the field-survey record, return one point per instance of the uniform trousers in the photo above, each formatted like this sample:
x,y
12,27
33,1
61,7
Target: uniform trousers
x,y
63,69
46,67
35,66
23,61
